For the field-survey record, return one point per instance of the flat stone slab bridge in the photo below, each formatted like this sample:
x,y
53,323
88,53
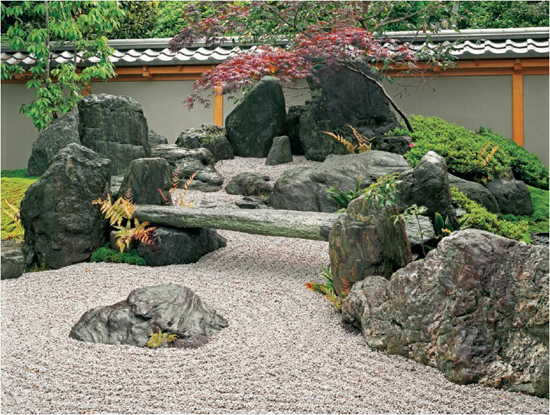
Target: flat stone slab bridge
x,y
270,222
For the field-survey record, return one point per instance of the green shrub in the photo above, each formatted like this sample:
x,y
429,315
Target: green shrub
x,y
106,254
466,151
481,218
526,166
538,221
13,190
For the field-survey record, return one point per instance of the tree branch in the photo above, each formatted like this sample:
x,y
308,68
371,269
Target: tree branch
x,y
351,67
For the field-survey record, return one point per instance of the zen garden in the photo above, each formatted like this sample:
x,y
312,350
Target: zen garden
x,y
345,253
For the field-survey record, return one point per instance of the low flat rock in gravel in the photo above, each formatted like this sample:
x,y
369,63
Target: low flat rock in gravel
x,y
169,308
13,261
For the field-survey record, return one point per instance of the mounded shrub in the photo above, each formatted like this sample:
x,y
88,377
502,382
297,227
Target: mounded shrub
x,y
481,218
462,150
14,186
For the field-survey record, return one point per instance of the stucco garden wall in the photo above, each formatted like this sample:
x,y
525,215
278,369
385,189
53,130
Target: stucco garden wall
x,y
471,101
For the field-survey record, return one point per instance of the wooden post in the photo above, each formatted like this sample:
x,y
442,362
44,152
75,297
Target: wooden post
x,y
517,103
218,106
87,90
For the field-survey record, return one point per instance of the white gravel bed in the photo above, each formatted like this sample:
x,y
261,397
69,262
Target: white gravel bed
x,y
284,351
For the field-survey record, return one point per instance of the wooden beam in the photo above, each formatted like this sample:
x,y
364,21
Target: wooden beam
x,y
87,90
517,104
218,106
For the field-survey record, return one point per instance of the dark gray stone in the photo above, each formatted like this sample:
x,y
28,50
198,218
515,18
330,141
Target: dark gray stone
x,y
397,145
512,196
305,188
209,136
62,227
155,139
475,191
115,128
169,307
475,308
280,152
180,246
116,181
365,241
293,128
145,177
428,185
58,135
199,160
249,184
252,202
342,98
13,261
259,117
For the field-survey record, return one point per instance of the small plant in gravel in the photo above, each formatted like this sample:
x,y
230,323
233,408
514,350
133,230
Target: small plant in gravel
x,y
327,289
160,339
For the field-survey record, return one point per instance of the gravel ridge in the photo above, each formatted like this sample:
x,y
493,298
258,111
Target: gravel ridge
x,y
285,350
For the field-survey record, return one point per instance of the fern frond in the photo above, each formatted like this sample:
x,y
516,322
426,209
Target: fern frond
x,y
351,148
128,195
175,179
164,198
362,140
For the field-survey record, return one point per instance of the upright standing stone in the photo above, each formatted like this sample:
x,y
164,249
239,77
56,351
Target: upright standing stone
x,y
56,136
260,117
280,152
365,241
115,128
145,177
62,227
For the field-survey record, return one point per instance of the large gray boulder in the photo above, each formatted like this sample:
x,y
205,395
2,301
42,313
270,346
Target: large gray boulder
x,y
189,161
144,178
341,98
476,192
513,196
62,227
280,152
249,184
155,139
366,241
13,261
169,307
209,136
259,117
58,135
428,185
115,128
180,246
305,188
475,308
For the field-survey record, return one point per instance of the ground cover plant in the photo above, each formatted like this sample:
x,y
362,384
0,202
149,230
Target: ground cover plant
x,y
14,186
472,155
538,221
481,218
106,254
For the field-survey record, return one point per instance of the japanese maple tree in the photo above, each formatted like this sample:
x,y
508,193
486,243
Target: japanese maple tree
x,y
292,39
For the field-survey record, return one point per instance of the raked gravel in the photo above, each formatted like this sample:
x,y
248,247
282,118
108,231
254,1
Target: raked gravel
x,y
284,350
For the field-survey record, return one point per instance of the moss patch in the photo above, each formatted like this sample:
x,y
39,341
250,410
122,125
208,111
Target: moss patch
x,y
106,254
13,190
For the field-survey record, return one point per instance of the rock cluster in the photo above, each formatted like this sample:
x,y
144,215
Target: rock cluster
x,y
476,308
209,136
169,308
249,184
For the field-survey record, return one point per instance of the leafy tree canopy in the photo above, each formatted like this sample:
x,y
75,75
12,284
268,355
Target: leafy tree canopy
x,y
47,27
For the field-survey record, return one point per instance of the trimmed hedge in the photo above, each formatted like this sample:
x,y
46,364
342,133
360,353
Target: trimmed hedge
x,y
462,150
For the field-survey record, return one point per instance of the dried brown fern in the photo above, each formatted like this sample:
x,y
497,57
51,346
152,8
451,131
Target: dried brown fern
x,y
175,186
123,209
363,143
486,157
